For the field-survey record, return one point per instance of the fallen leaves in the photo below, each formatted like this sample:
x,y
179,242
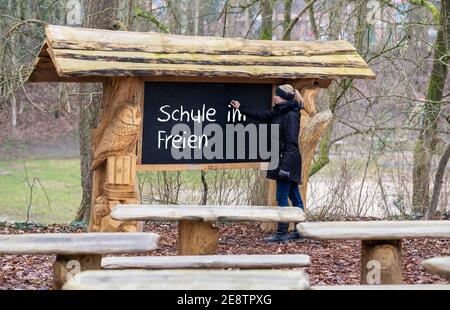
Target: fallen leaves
x,y
333,262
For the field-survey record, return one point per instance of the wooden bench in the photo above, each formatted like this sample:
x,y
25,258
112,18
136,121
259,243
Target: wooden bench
x,y
196,235
416,287
381,255
189,280
76,252
439,266
207,262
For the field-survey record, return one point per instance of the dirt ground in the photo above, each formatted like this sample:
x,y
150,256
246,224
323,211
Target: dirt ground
x,y
333,262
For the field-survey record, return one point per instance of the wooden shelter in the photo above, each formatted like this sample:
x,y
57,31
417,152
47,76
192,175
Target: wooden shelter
x,y
124,61
79,54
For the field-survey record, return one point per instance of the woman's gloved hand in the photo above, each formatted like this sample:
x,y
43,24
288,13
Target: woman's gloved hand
x,y
283,174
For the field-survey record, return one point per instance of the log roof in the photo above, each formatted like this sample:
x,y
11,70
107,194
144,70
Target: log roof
x,y
82,54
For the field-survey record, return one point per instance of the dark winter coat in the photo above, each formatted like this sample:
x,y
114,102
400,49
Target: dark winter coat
x,y
287,116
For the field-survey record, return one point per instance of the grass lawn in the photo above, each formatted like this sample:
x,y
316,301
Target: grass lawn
x,y
59,180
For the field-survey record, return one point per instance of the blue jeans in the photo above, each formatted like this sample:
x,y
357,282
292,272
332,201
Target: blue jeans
x,y
289,189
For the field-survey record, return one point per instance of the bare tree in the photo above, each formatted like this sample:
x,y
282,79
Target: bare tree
x,y
267,16
427,140
101,15
438,180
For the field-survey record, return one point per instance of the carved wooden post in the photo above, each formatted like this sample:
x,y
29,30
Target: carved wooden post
x,y
114,148
271,202
381,262
309,138
312,126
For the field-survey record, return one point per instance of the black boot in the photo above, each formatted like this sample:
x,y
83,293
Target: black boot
x,y
281,235
294,235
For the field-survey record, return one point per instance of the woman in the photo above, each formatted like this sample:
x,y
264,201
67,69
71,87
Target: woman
x,y
285,113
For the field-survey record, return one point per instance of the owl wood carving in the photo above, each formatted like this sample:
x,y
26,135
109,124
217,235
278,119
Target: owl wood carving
x,y
120,136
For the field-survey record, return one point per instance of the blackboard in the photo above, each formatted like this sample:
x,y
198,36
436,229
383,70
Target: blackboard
x,y
164,102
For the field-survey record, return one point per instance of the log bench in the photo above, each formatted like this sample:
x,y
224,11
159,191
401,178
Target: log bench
x,y
196,234
381,241
438,265
76,252
189,280
207,262
416,287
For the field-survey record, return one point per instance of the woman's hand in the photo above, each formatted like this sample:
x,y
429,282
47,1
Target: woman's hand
x,y
236,104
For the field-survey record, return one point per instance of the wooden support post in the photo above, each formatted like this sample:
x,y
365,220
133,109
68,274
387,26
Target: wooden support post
x,y
197,238
271,201
114,144
381,262
67,266
312,126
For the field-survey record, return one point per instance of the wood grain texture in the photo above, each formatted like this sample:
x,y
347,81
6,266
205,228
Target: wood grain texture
x,y
78,68
206,213
66,266
375,230
78,243
189,280
207,262
320,83
84,38
381,262
197,238
348,60
178,167
438,265
269,227
114,144
310,135
81,52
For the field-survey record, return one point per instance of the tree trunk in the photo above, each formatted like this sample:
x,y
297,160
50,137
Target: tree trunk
x,y
267,15
427,139
205,187
13,100
362,33
312,21
100,15
287,18
196,15
438,180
